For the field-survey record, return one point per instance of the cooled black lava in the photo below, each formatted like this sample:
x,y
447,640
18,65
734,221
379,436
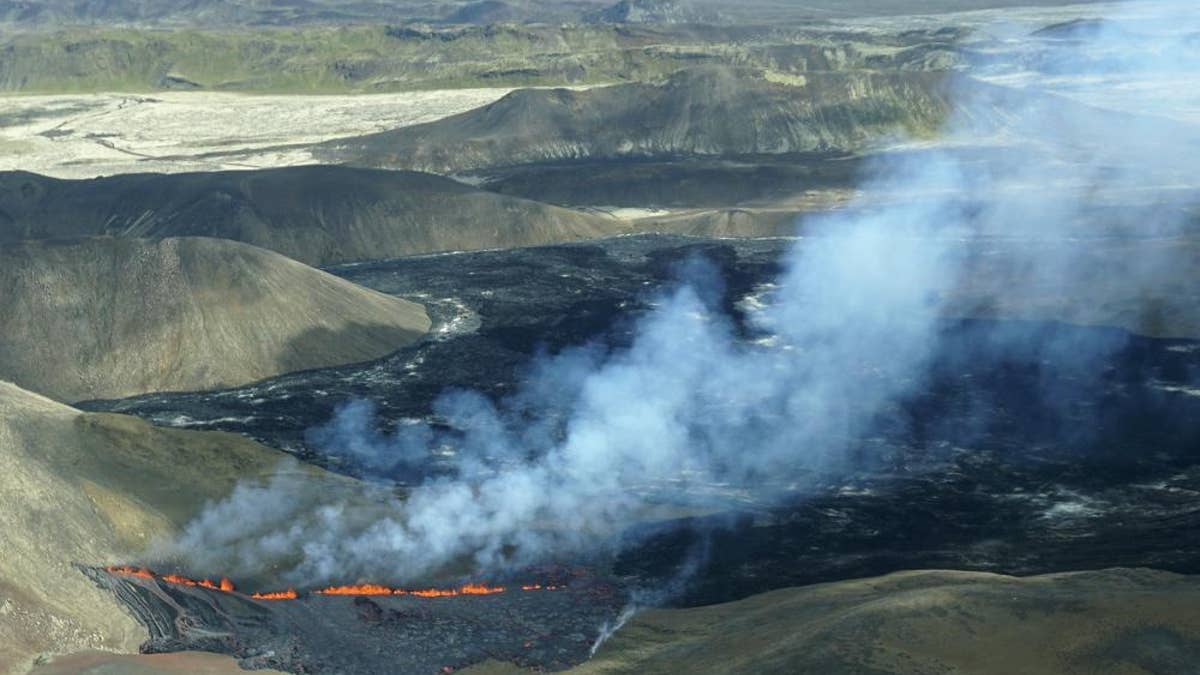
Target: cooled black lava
x,y
1075,448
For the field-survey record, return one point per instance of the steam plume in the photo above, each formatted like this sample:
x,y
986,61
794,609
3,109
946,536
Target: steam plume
x,y
850,329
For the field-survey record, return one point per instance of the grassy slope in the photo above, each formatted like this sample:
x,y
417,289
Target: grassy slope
x,y
1127,622
96,489
330,59
1119,621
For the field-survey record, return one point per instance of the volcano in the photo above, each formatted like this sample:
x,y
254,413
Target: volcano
x,y
549,624
977,471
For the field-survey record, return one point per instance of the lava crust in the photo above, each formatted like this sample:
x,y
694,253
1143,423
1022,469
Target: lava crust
x,y
319,633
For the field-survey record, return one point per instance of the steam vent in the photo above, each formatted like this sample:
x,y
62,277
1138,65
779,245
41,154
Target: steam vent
x,y
494,337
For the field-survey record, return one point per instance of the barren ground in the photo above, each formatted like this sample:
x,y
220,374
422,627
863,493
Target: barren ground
x,y
82,136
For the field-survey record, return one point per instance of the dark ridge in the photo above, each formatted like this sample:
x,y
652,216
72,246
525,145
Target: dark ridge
x,y
700,112
319,215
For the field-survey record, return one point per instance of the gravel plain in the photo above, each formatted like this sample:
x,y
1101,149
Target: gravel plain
x,y
84,136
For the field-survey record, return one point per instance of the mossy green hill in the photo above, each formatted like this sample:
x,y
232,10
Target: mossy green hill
x,y
380,58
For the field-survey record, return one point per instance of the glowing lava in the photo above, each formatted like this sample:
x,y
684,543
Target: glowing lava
x,y
361,589
141,572
289,594
130,571
226,586
375,589
480,589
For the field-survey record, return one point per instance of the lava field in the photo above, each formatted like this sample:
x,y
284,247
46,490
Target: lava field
x,y
547,625
1069,448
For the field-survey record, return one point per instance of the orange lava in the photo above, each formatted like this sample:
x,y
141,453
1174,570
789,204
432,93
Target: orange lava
x,y
143,573
225,585
431,593
126,571
360,589
289,594
480,589
376,589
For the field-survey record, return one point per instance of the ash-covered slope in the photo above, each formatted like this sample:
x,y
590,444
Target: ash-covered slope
x,y
701,112
318,215
1109,621
104,317
94,489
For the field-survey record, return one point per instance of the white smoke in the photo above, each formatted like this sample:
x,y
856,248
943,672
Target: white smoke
x,y
568,462
610,628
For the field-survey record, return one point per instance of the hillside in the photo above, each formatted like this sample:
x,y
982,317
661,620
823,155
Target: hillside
x,y
1110,621
238,13
1130,621
319,215
380,58
95,489
701,112
105,318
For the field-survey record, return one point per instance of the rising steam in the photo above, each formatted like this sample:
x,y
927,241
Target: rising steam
x,y
847,331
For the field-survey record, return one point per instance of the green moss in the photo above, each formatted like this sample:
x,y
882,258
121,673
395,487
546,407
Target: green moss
x,y
370,58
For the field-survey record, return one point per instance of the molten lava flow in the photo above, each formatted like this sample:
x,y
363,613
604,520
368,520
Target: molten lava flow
x,y
480,589
225,585
126,571
289,594
375,589
431,593
144,573
362,589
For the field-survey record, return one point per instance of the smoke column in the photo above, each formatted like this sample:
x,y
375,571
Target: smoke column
x,y
851,328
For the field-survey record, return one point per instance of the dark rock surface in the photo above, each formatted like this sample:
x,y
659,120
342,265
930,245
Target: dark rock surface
x,y
1069,448
319,215
538,629
699,112
493,311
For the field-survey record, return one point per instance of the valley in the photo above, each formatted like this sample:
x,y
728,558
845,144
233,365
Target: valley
x,y
649,336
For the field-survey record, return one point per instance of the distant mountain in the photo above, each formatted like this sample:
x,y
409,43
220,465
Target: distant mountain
x,y
486,12
208,12
107,318
1076,29
651,11
704,112
318,215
